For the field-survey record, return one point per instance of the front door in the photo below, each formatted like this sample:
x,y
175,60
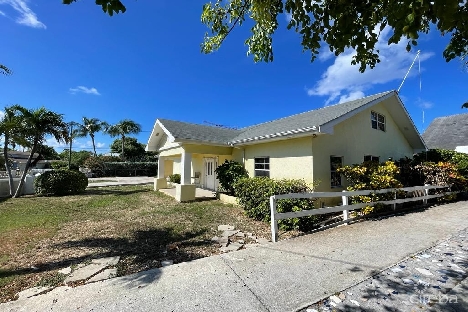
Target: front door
x,y
210,175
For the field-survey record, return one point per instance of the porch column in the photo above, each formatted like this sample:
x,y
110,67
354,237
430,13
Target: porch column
x,y
161,167
160,181
185,191
186,169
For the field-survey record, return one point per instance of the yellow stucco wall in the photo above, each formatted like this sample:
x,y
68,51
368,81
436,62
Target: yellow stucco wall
x,y
354,138
168,168
291,159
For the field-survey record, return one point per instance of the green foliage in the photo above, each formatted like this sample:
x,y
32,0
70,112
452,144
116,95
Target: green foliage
x,y
371,175
106,166
90,127
254,196
228,173
47,152
59,164
60,182
174,178
442,173
5,70
122,129
77,157
339,25
108,6
132,148
460,160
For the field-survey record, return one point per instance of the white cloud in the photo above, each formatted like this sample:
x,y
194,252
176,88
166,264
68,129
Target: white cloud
x,y
26,16
424,104
343,81
85,90
76,145
100,145
2,13
2,114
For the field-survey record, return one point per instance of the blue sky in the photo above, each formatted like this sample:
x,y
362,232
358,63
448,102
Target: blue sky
x,y
146,64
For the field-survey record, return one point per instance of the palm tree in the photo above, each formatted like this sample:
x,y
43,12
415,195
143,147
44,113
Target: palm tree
x,y
10,128
122,129
465,105
5,70
36,125
89,127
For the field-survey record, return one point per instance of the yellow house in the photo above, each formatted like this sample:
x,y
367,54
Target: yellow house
x,y
307,146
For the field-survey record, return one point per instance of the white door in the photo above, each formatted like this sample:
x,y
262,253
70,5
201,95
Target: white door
x,y
210,175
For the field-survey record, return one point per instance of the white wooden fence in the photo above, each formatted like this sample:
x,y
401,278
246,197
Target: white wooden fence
x,y
345,207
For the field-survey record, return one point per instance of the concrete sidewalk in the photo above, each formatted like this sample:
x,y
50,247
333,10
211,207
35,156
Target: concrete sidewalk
x,y
285,276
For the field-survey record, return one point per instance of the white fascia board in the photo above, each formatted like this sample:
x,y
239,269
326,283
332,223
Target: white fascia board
x,y
328,127
298,133
182,141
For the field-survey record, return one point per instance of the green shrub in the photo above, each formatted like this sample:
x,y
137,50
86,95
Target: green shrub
x,y
102,168
460,160
228,173
254,196
59,164
371,176
174,178
60,182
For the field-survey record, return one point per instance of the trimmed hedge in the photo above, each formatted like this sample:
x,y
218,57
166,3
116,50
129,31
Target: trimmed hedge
x,y
254,194
101,168
60,182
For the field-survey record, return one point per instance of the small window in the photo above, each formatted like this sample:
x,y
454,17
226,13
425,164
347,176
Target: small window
x,y
371,158
262,167
378,121
335,163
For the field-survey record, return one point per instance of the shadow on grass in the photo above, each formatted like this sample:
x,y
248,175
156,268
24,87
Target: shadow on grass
x,y
142,251
115,191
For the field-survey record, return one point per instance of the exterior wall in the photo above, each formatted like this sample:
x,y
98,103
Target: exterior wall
x,y
198,164
289,159
354,138
168,168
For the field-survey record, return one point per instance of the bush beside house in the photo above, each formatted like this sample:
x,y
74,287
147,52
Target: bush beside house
x,y
254,196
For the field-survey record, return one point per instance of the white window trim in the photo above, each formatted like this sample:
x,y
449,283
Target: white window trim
x,y
378,122
265,170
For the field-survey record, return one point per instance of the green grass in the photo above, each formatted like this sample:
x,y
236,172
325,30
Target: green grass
x,y
141,226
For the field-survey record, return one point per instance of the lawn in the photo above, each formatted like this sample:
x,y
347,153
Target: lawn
x,y
40,235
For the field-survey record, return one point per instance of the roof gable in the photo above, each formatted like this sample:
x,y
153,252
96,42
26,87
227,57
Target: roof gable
x,y
447,132
315,121
305,122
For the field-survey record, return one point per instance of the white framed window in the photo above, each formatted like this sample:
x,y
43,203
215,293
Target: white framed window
x,y
335,177
262,167
371,158
378,121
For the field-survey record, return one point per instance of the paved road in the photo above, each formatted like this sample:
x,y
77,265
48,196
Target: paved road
x,y
286,276
116,181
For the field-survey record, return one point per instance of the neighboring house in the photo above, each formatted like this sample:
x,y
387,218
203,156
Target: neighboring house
x,y
449,132
307,146
19,160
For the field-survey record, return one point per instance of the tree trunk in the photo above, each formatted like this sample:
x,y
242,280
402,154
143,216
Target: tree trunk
x,y
123,151
94,146
23,176
7,165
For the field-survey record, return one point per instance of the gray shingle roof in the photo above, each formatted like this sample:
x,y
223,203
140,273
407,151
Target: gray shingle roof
x,y
447,132
189,131
308,119
296,123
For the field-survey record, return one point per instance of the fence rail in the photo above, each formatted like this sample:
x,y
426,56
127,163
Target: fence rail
x,y
421,194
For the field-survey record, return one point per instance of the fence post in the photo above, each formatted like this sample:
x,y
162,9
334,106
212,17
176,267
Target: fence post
x,y
274,222
345,212
394,197
426,193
